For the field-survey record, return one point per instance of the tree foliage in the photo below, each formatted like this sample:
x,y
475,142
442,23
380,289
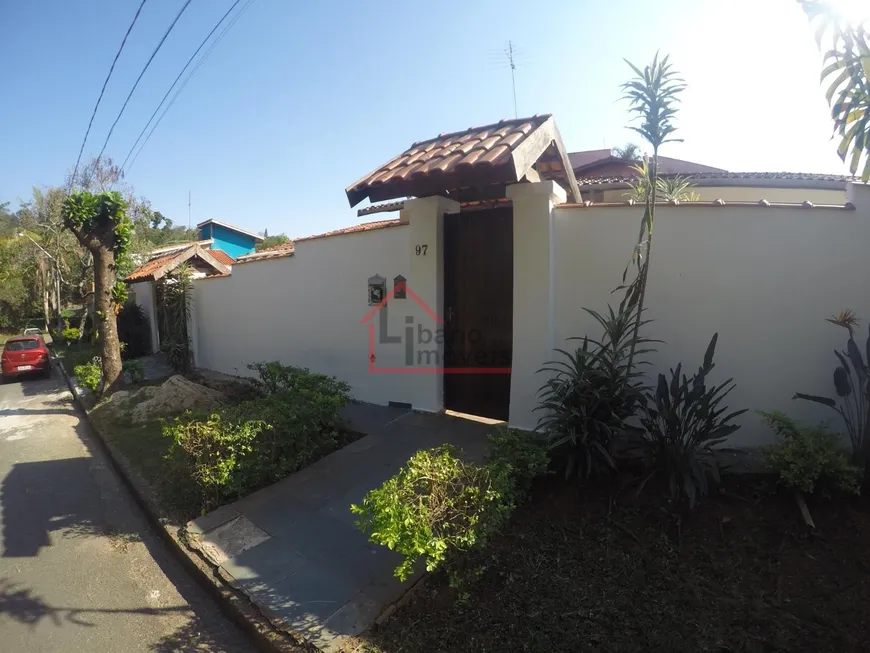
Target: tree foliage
x,y
99,221
272,241
846,51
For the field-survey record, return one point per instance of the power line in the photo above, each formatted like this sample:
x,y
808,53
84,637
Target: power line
x,y
138,79
189,77
189,61
102,91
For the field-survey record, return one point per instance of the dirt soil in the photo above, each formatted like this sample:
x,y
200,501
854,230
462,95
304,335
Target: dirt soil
x,y
581,570
171,397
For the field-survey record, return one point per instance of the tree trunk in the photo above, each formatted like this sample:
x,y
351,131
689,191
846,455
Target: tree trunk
x,y
107,324
42,276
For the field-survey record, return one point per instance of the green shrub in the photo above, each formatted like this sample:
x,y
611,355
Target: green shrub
x,y
214,448
436,507
89,376
70,334
810,460
591,394
684,421
523,455
135,369
281,432
275,377
134,330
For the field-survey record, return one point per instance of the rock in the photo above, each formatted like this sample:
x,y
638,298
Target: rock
x,y
175,395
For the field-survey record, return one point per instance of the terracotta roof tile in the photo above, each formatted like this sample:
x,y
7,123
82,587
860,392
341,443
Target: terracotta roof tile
x,y
146,271
276,251
221,256
486,148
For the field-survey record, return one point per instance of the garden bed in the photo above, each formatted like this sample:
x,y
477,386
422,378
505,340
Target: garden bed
x,y
596,571
198,461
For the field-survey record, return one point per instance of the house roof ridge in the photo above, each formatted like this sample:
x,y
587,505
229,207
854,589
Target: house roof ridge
x,y
227,225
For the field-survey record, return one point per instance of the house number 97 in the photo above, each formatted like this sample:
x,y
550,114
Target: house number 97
x,y
421,250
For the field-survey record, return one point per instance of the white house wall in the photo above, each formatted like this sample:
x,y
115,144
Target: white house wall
x,y
765,279
306,310
144,296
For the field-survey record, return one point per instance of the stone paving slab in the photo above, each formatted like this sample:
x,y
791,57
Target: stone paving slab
x,y
293,547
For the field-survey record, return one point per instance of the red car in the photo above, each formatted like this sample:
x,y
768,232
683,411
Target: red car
x,y
25,355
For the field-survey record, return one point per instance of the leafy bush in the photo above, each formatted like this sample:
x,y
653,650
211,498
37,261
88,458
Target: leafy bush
x,y
852,385
89,375
810,460
70,334
135,369
437,506
281,433
275,377
134,330
214,448
592,394
683,422
523,455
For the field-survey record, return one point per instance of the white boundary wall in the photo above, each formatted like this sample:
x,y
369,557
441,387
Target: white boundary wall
x,y
765,279
306,310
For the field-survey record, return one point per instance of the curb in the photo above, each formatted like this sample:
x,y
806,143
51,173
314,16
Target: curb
x,y
234,606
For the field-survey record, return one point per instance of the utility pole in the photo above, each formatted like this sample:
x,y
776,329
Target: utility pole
x,y
188,210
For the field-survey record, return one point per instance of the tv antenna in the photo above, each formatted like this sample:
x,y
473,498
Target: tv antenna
x,y
509,58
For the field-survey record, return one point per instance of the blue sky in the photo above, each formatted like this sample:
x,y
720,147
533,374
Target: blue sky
x,y
301,99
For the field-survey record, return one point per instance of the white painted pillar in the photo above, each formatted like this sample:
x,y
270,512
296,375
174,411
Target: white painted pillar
x,y
426,280
152,302
858,194
534,288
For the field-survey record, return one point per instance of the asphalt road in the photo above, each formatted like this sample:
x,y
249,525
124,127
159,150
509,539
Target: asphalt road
x,y
80,569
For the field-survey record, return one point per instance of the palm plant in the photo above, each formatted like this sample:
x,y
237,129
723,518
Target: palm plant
x,y
175,300
676,189
653,95
847,74
630,152
668,189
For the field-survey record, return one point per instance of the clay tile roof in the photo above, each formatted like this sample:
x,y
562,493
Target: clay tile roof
x,y
157,267
499,153
737,176
276,251
222,256
366,226
146,271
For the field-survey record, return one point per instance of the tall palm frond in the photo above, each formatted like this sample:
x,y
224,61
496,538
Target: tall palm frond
x,y
847,74
676,189
652,95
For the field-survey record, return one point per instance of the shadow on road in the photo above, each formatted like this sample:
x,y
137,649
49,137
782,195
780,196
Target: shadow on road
x,y
25,607
41,497
22,605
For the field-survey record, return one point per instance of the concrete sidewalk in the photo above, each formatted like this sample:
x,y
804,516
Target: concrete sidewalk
x,y
293,547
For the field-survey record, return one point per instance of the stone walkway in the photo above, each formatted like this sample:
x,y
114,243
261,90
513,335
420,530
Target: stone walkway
x,y
293,547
